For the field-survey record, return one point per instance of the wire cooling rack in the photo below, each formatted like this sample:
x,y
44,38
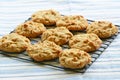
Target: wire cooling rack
x,y
55,63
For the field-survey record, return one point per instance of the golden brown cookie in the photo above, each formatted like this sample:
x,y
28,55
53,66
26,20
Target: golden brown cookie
x,y
74,58
85,42
59,35
14,43
103,29
30,29
46,50
73,22
47,17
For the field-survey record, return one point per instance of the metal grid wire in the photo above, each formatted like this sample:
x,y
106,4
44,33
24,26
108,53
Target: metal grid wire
x,y
55,63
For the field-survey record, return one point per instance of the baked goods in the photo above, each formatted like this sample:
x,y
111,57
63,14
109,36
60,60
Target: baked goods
x,y
73,22
103,29
59,35
46,50
30,29
47,17
14,43
74,58
85,42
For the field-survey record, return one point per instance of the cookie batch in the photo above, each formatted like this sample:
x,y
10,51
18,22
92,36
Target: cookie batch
x,y
54,31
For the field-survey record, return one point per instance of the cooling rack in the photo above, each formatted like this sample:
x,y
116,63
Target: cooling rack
x,y
55,63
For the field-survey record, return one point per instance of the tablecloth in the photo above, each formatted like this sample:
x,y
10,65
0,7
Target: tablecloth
x,y
14,12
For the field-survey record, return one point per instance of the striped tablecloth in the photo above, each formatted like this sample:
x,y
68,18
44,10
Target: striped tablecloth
x,y
14,12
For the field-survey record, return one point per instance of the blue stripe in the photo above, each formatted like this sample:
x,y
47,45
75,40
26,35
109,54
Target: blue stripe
x,y
33,70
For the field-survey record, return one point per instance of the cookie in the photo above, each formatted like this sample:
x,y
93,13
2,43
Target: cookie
x,y
59,35
74,58
30,29
47,17
85,42
73,22
42,51
103,29
14,43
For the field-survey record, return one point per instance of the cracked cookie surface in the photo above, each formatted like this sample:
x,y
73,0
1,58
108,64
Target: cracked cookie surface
x,y
47,17
103,29
85,42
14,43
59,35
74,23
74,58
42,51
30,29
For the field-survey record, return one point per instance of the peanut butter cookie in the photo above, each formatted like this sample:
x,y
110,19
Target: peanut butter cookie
x,y
30,29
85,42
74,58
59,35
75,22
42,51
14,43
47,17
103,29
